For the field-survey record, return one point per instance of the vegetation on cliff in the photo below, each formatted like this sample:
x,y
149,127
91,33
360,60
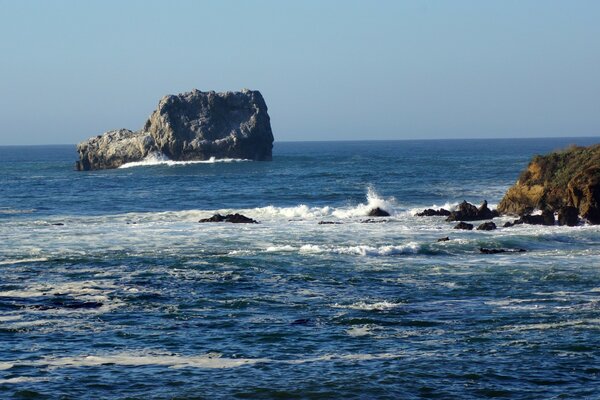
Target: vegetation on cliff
x,y
570,177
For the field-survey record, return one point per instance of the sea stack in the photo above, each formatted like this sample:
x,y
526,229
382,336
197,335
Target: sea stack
x,y
558,182
189,126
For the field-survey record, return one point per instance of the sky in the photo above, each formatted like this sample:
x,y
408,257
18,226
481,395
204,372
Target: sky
x,y
328,70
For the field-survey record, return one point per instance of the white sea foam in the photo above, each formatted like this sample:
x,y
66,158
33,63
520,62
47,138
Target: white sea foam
x,y
592,323
10,211
277,249
447,206
87,291
6,365
358,331
23,260
359,250
374,200
23,379
206,361
304,212
363,250
364,306
161,159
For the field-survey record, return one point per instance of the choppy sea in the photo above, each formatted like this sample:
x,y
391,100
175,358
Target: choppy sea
x,y
110,288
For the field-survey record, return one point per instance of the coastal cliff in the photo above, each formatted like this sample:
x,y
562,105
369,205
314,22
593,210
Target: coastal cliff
x,y
556,182
189,126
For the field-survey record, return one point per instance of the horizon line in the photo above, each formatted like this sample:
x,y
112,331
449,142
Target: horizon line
x,y
364,140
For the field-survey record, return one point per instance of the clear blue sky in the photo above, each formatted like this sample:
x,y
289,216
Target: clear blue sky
x,y
327,69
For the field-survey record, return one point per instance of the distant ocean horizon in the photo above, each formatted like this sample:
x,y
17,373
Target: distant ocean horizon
x,y
561,138
110,288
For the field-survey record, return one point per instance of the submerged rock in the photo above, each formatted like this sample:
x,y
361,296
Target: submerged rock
x,y
190,126
329,223
496,251
468,212
463,225
430,212
444,239
557,180
373,221
301,321
378,212
233,218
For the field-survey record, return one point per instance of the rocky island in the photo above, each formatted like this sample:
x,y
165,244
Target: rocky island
x,y
189,126
566,182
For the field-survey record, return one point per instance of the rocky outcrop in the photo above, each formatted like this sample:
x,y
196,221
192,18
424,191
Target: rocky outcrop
x,y
569,178
430,212
487,226
546,218
378,212
233,218
189,126
468,212
568,215
464,225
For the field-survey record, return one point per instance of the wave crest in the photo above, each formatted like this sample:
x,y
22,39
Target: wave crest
x,y
161,159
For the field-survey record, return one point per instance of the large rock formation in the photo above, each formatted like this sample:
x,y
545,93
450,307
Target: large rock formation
x,y
189,126
569,178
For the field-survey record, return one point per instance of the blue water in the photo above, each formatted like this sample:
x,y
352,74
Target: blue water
x,y
109,287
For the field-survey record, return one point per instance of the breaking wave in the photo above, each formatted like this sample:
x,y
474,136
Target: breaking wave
x,y
161,159
302,211
359,250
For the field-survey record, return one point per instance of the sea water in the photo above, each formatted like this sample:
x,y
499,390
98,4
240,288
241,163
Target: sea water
x,y
110,288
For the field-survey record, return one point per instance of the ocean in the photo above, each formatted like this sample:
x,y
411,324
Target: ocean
x,y
110,288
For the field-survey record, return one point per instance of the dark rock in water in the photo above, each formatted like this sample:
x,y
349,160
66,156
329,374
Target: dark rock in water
x,y
58,224
463,225
508,224
67,303
378,212
547,218
496,251
568,215
444,239
487,226
565,178
301,321
430,212
373,221
233,218
483,212
239,219
468,212
214,218
189,126
329,223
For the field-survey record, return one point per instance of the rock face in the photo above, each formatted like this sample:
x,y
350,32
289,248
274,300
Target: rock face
x,y
568,216
189,126
558,180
